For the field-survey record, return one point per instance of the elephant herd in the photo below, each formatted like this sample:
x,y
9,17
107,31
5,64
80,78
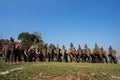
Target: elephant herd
x,y
47,53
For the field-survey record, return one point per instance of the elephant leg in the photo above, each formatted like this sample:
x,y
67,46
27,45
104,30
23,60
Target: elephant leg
x,y
34,56
106,59
24,53
110,59
12,55
41,57
93,58
8,56
30,57
84,58
87,58
96,58
101,58
19,56
65,57
114,60
15,57
70,56
49,57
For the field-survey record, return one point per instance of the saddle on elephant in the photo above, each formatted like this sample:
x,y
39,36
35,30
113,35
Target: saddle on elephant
x,y
72,50
62,51
68,52
17,45
96,51
3,49
112,52
91,52
103,52
33,47
86,50
79,50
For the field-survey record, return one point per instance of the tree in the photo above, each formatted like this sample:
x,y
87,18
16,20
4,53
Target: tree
x,y
39,38
28,38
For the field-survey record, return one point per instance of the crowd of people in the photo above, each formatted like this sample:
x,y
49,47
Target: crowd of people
x,y
14,51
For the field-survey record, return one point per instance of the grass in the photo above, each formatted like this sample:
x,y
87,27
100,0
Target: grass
x,y
60,71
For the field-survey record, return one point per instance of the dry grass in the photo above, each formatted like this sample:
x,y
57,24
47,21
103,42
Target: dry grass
x,y
60,71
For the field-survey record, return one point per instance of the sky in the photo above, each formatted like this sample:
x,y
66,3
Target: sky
x,y
63,21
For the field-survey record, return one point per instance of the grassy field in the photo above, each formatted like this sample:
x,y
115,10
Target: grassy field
x,y
59,71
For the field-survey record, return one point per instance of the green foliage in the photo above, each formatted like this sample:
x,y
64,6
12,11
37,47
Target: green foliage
x,y
28,38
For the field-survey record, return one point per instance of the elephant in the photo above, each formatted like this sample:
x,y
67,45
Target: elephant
x,y
112,55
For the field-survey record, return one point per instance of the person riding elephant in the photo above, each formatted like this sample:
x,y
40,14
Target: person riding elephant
x,y
21,52
51,53
112,55
17,53
86,54
97,53
72,53
104,56
79,52
64,53
43,54
92,56
9,50
59,55
24,51
33,51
